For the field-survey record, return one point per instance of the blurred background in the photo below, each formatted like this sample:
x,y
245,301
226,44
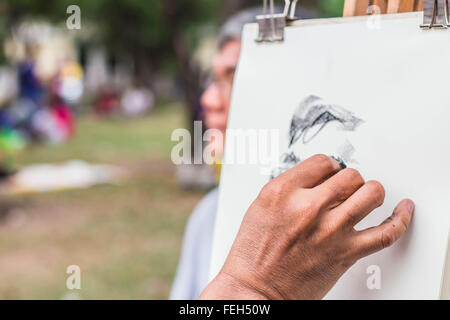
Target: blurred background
x,y
86,117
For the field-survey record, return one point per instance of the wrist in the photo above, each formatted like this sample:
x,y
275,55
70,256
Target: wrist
x,y
228,287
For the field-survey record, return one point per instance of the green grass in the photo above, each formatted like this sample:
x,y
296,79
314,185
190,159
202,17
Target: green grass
x,y
115,139
125,238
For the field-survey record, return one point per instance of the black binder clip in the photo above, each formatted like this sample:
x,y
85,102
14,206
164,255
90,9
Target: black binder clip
x,y
435,14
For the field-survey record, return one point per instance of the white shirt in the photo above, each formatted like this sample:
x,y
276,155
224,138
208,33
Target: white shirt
x,y
193,268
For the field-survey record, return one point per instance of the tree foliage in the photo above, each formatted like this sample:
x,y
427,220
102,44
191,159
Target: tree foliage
x,y
154,33
131,25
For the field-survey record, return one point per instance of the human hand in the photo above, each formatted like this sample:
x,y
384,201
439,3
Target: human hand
x,y
298,238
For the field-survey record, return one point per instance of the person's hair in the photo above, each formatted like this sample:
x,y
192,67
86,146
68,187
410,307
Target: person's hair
x,y
232,28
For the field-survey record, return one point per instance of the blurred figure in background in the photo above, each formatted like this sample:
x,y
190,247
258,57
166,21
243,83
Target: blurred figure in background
x,y
137,101
193,270
108,101
56,124
31,87
50,82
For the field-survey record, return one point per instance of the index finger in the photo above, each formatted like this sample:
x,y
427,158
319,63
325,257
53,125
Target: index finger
x,y
312,171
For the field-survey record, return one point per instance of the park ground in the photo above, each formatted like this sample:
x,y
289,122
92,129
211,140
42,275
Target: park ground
x,y
125,237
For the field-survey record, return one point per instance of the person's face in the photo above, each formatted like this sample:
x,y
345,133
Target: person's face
x,y
216,99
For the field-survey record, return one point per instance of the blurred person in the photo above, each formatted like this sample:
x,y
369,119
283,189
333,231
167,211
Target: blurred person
x,y
32,93
55,123
108,102
8,85
137,101
70,83
30,86
193,269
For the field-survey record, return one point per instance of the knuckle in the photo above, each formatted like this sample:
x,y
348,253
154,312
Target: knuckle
x,y
271,190
305,204
325,162
387,239
349,179
404,223
309,206
305,214
334,193
350,218
377,191
353,174
321,237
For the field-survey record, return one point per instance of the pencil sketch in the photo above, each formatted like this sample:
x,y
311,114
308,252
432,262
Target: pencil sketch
x,y
310,119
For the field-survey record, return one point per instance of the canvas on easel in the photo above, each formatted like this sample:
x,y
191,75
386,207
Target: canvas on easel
x,y
373,96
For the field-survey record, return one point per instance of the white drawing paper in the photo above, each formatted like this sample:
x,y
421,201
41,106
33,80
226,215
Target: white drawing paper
x,y
375,98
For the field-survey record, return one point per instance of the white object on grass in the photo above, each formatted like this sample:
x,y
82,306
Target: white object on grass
x,y
73,174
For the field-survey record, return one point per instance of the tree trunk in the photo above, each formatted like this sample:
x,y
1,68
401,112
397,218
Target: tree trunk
x,y
190,71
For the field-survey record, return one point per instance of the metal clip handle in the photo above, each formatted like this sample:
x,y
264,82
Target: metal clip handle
x,y
435,14
271,26
289,10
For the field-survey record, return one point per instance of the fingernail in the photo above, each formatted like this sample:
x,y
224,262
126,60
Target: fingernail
x,y
341,162
411,206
